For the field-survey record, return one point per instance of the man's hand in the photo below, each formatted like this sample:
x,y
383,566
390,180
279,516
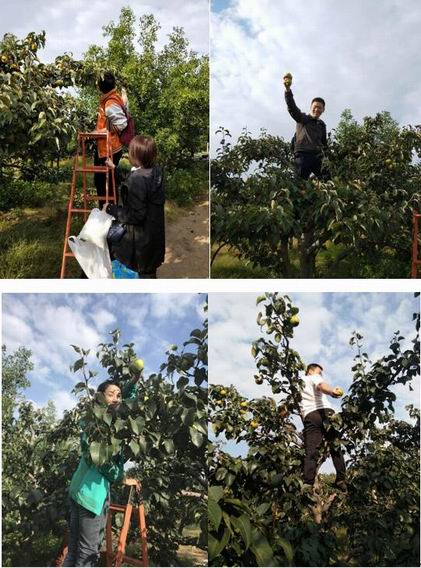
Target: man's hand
x,y
110,163
337,392
287,81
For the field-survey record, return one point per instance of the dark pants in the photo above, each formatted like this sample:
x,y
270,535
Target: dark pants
x,y
307,163
86,535
99,179
147,276
314,432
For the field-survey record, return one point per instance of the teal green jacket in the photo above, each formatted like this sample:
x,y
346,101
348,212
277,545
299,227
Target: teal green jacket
x,y
90,484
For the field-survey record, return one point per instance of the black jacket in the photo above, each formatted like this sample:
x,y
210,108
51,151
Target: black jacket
x,y
142,247
311,132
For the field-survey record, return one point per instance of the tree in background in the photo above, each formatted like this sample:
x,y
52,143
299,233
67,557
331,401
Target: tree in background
x,y
258,510
362,215
168,93
36,468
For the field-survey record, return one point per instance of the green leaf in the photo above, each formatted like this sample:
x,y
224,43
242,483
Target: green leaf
x,y
196,333
135,427
78,365
79,386
214,513
196,437
215,546
107,418
263,508
260,299
134,446
76,348
169,446
244,526
215,492
287,548
261,549
99,411
201,428
142,443
119,424
182,383
188,416
98,451
116,445
220,474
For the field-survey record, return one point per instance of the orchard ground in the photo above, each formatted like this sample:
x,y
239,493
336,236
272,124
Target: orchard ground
x,y
32,231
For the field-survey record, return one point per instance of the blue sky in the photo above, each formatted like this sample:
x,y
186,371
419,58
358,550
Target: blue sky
x,y
48,323
327,322
359,55
73,25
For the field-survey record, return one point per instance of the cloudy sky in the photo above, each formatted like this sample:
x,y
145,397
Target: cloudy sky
x,y
48,323
74,25
327,322
359,55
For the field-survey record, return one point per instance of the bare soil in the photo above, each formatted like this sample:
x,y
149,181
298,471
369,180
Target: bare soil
x,y
187,238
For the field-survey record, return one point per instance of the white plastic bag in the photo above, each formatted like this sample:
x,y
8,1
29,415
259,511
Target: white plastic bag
x,y
95,261
96,228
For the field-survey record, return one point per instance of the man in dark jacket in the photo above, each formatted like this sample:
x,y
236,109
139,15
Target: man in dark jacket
x,y
310,136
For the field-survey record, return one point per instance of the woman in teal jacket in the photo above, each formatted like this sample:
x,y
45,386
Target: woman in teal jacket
x,y
90,491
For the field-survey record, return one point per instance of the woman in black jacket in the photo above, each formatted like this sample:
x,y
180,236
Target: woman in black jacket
x,y
142,247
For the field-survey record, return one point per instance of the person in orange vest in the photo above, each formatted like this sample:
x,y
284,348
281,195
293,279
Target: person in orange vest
x,y
111,117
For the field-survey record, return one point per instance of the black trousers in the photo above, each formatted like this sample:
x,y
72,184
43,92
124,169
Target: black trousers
x,y
314,433
99,179
308,163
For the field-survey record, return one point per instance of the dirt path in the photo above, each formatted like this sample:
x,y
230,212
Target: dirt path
x,y
187,252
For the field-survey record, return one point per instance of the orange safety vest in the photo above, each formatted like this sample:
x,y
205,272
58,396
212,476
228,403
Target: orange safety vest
x,y
106,100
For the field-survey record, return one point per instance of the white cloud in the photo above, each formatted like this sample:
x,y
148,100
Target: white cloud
x,y
102,319
172,305
74,25
327,322
16,330
62,401
358,55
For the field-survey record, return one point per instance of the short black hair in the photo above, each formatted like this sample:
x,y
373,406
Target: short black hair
x,y
104,385
106,83
313,366
319,100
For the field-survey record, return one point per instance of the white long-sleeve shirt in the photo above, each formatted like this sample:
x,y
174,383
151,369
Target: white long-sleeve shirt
x,y
311,397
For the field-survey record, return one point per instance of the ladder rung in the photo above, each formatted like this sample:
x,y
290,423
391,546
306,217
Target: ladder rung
x,y
93,134
132,561
92,169
118,508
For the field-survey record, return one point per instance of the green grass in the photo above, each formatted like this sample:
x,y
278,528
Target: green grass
x,y
31,241
228,265
329,264
32,238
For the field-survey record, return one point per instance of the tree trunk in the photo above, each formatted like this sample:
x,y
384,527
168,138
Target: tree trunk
x,y
307,259
285,257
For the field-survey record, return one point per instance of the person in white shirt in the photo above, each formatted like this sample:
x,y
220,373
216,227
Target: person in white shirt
x,y
315,410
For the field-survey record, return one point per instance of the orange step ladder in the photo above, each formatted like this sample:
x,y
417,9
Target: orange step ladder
x,y
416,261
119,557
80,166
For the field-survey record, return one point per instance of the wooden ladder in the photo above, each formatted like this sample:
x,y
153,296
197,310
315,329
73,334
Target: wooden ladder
x,y
127,510
80,166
